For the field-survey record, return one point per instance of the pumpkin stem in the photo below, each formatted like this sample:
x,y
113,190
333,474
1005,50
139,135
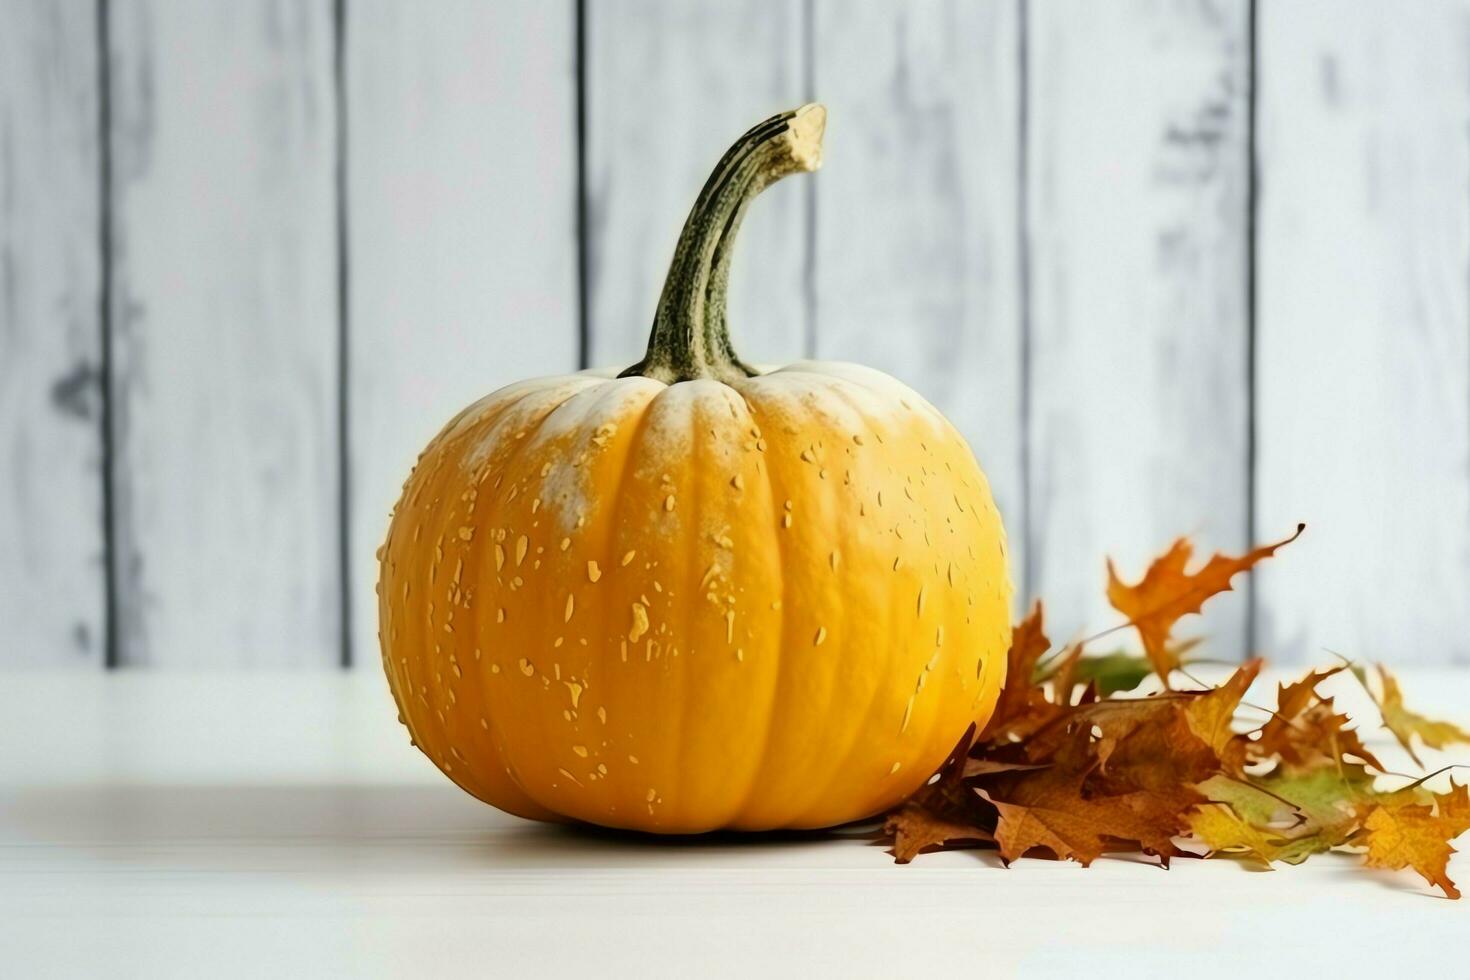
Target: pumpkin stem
x,y
691,338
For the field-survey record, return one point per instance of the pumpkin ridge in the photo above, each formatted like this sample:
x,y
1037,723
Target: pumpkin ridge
x,y
683,666
740,810
893,391
843,757
493,730
820,414
723,406
615,522
788,644
491,717
422,735
537,437
397,681
479,452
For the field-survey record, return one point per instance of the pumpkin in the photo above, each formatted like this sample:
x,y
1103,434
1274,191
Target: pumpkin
x,y
697,595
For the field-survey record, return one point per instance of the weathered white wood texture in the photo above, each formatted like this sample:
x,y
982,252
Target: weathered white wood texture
x,y
1364,351
1137,196
917,247
462,214
670,83
1037,214
225,332
51,540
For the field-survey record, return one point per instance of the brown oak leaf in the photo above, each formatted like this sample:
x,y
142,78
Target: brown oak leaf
x,y
915,829
943,813
1022,706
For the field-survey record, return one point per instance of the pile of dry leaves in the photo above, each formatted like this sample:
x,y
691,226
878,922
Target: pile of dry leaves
x,y
1074,764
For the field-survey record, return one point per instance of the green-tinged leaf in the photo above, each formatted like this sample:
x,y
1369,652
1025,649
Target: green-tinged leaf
x,y
1113,672
1248,803
1224,831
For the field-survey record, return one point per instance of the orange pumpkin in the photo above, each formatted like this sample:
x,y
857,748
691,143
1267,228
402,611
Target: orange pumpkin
x,y
697,595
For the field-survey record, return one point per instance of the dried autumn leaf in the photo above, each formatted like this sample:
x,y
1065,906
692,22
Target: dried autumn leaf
x,y
1282,730
990,767
1148,744
1210,714
1405,723
1022,706
1224,831
1120,671
916,829
1454,809
1167,592
1047,809
1323,796
1305,731
1080,777
941,814
1254,805
1413,835
1279,817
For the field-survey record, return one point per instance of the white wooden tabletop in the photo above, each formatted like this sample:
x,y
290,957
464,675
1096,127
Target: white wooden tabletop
x,y
219,825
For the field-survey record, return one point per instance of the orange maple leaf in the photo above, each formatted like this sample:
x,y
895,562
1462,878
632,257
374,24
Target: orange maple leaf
x,y
1167,592
1305,730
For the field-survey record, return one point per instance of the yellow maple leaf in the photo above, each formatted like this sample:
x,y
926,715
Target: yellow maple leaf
x,y
1405,723
1412,835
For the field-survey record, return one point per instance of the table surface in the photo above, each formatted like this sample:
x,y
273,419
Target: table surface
x,y
229,824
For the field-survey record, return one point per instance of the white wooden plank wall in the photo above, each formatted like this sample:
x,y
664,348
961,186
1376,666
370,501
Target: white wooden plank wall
x,y
318,228
462,221
1363,346
1139,334
917,265
224,332
670,84
51,535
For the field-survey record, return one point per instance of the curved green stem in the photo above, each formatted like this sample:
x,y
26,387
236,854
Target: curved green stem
x,y
691,337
